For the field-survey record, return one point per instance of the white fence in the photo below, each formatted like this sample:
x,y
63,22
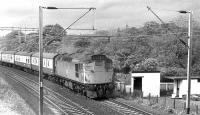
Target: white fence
x,y
120,86
166,86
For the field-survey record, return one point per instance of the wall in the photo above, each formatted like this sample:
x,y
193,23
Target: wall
x,y
195,87
150,83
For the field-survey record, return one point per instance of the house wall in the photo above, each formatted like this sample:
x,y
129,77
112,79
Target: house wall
x,y
195,85
150,83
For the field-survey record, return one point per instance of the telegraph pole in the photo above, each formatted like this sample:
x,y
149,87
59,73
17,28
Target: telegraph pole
x,y
189,46
41,61
189,59
189,62
41,48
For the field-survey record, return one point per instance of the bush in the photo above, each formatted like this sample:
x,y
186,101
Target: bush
x,y
149,64
166,92
174,71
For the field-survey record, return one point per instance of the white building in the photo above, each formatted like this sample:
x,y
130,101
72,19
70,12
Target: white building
x,y
181,86
147,82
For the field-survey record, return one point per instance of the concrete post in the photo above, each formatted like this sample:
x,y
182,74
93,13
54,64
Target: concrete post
x,y
132,84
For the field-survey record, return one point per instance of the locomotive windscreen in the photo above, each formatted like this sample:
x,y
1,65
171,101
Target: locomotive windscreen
x,y
98,57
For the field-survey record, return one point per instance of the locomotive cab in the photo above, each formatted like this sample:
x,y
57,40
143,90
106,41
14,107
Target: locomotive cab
x,y
99,71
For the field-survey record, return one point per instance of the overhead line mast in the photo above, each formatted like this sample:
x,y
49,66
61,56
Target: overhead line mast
x,y
189,60
183,42
155,15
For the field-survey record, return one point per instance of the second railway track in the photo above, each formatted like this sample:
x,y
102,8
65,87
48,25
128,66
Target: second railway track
x,y
124,108
63,104
67,106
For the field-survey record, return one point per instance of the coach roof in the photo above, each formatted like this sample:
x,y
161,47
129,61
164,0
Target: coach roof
x,y
45,55
8,52
24,53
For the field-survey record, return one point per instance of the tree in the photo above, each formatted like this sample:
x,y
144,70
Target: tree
x,y
82,44
13,40
53,30
53,33
132,31
102,32
150,64
151,28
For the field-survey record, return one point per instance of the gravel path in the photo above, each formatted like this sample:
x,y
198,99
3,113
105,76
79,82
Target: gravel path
x,y
10,102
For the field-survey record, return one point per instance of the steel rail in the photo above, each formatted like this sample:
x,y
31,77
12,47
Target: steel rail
x,y
137,109
60,96
35,90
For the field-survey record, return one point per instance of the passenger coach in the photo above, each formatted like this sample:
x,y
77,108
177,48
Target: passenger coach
x,y
48,62
8,58
23,60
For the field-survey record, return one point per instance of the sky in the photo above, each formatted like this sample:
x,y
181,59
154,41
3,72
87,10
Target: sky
x,y
109,14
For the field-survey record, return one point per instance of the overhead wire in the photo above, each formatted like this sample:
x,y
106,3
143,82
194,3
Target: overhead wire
x,y
59,35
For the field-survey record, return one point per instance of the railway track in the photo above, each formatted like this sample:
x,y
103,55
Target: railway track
x,y
65,105
124,108
52,98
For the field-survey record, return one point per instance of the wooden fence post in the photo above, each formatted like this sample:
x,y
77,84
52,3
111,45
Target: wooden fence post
x,y
197,109
142,96
174,103
124,89
120,87
165,101
157,99
149,96
184,106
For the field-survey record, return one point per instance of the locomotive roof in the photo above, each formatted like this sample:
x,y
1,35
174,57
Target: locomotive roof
x,y
81,58
8,52
45,55
24,53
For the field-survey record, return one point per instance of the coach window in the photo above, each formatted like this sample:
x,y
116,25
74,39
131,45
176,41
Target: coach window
x,y
77,70
36,61
47,63
27,60
44,62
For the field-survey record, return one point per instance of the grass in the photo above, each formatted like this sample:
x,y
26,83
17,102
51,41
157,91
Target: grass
x,y
159,105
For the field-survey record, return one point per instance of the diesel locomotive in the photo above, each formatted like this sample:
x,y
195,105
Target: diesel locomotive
x,y
91,76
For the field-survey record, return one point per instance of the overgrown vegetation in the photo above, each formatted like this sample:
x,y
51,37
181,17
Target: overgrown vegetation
x,y
152,47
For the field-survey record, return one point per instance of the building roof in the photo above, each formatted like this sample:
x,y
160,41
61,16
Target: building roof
x,y
145,71
182,77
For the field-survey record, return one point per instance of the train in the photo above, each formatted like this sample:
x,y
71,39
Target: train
x,y
91,76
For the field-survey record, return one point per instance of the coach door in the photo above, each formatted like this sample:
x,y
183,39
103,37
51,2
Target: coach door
x,y
78,69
